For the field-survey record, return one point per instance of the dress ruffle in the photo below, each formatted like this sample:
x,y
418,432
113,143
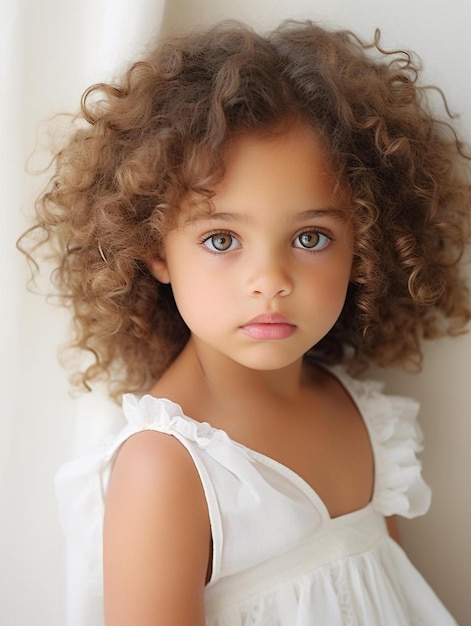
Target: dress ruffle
x,y
166,416
396,439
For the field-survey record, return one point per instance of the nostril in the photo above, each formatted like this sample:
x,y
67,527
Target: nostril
x,y
272,292
268,278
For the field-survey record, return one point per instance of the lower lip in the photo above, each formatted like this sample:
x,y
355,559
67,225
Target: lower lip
x,y
268,331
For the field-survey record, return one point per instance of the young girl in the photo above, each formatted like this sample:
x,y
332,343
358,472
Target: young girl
x,y
239,222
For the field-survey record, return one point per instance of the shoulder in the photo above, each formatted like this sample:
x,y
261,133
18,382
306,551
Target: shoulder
x,y
151,473
151,456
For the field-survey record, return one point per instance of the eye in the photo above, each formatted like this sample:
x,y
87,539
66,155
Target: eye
x,y
312,240
221,242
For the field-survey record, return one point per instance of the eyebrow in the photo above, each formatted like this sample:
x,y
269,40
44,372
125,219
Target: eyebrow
x,y
335,212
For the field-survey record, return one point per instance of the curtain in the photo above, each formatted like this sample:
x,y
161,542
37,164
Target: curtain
x,y
50,52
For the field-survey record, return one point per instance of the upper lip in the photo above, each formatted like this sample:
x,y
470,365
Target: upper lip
x,y
269,318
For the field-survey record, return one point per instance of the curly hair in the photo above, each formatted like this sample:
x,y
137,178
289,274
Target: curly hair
x,y
161,134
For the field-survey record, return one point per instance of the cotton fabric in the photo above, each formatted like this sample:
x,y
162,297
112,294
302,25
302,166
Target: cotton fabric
x,y
278,557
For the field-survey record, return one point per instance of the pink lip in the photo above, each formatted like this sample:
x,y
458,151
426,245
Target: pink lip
x,y
269,318
269,326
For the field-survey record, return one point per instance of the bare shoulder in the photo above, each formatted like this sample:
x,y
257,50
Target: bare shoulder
x,y
156,535
150,455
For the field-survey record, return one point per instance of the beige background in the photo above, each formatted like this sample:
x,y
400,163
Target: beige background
x,y
51,51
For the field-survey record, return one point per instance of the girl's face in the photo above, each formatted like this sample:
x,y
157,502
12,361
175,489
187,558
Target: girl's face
x,y
264,277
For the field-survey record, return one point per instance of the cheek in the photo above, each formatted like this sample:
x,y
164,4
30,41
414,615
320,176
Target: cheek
x,y
328,288
200,301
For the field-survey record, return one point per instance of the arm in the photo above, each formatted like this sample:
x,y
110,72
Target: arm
x,y
156,536
393,530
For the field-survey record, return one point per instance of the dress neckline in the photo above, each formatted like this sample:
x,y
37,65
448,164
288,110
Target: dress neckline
x,y
289,474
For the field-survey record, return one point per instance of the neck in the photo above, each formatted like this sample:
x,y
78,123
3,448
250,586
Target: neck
x,y
221,375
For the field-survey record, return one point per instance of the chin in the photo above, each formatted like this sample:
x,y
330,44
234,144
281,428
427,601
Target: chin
x,y
269,362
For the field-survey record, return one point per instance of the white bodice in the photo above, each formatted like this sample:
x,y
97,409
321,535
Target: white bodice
x,y
278,558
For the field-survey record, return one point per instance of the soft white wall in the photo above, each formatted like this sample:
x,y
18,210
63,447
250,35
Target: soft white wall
x,y
71,45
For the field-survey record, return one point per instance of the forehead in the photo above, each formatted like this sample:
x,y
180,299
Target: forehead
x,y
290,167
296,153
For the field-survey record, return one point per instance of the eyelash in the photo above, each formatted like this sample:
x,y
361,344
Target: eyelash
x,y
208,236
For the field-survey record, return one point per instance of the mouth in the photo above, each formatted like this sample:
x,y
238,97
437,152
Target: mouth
x,y
269,326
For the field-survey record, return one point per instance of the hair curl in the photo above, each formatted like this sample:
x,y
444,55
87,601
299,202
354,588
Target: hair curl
x,y
161,134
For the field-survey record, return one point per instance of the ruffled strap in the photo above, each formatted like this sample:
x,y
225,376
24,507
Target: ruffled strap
x,y
396,439
164,415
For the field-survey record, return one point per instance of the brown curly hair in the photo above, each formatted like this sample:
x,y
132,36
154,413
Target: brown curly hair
x,y
161,134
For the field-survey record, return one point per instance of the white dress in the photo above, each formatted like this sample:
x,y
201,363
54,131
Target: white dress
x,y
278,558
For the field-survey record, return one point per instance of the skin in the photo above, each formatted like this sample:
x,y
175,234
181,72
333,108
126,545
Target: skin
x,y
279,243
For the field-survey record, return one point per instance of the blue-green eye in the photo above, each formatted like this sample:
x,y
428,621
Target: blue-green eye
x,y
221,242
312,240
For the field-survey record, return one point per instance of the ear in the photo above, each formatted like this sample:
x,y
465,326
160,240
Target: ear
x,y
159,270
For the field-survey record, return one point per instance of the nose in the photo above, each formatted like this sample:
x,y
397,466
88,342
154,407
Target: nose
x,y
269,278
